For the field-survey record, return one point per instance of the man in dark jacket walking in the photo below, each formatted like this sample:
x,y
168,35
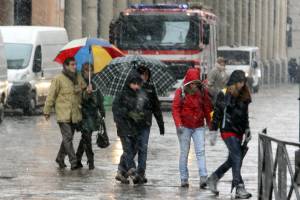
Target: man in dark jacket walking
x,y
128,115
92,112
151,106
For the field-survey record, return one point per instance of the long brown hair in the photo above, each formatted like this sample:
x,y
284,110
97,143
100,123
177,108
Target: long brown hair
x,y
243,94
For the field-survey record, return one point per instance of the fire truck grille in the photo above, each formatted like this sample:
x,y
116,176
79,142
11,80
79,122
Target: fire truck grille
x,y
179,69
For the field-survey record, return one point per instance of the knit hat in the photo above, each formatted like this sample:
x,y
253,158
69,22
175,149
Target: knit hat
x,y
236,77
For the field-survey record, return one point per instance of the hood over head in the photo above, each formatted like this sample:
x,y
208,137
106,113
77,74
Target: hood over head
x,y
192,75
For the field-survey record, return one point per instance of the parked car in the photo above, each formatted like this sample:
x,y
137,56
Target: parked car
x,y
30,51
244,58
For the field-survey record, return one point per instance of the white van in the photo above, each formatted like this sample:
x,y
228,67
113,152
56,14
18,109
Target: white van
x,y
30,51
3,79
244,58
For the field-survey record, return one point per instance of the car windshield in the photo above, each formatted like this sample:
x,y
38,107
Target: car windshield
x,y
159,32
235,57
18,55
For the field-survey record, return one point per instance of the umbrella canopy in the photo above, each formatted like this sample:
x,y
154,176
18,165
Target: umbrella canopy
x,y
98,52
112,79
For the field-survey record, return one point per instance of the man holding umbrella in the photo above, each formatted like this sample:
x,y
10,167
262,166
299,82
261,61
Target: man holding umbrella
x,y
66,95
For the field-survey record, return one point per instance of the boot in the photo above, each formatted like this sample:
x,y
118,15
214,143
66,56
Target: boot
x,y
122,178
91,165
60,163
212,182
79,164
241,192
203,180
185,183
143,178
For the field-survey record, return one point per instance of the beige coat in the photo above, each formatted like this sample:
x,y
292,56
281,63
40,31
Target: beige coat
x,y
217,79
66,98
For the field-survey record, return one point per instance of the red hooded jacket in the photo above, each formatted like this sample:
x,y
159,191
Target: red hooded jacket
x,y
190,110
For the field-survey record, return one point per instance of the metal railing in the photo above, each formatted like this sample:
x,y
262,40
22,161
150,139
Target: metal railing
x,y
272,172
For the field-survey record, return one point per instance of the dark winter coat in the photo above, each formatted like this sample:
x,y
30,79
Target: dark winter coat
x,y
92,110
127,103
236,119
191,110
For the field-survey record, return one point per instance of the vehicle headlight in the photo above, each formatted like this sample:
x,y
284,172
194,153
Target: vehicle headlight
x,y
246,74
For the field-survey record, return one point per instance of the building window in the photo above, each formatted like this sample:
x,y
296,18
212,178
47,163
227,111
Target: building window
x,y
22,12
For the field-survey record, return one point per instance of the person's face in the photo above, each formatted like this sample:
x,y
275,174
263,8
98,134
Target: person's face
x,y
135,86
239,85
71,66
222,63
86,71
145,76
193,85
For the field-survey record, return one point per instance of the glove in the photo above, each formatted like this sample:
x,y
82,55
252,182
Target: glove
x,y
161,129
248,135
135,116
213,137
179,130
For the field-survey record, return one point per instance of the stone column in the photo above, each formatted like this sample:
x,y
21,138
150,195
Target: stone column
x,y
264,41
238,8
89,18
222,24
119,6
106,15
271,42
252,27
258,24
230,22
73,16
245,22
6,12
276,42
283,47
147,1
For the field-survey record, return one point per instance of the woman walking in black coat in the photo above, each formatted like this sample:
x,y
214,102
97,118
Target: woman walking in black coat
x,y
231,116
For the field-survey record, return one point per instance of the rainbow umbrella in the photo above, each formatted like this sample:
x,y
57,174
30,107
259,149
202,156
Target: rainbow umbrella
x,y
98,52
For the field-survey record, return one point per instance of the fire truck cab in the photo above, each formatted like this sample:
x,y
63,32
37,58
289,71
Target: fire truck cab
x,y
177,34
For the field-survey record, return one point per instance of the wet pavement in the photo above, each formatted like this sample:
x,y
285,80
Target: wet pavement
x,y
29,146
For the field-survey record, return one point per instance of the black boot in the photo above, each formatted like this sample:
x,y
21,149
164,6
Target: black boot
x,y
212,182
241,192
60,163
79,164
91,165
122,177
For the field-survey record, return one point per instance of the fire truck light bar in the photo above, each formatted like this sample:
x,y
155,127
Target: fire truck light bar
x,y
159,6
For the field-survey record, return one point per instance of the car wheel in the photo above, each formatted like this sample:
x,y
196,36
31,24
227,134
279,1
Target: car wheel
x,y
30,107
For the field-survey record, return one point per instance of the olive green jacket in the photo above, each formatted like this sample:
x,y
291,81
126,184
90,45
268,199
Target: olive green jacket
x,y
66,98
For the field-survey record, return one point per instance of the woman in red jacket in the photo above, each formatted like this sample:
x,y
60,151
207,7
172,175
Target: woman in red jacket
x,y
191,108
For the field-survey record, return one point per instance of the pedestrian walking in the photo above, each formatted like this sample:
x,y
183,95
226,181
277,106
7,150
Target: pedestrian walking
x,y
151,106
92,112
191,108
293,69
65,96
128,115
217,79
231,116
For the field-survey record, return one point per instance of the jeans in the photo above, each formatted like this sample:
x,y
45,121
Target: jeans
x,y
127,158
85,145
142,149
233,161
198,135
66,147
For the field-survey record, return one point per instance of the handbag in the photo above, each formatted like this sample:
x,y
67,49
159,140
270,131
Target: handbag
x,y
102,140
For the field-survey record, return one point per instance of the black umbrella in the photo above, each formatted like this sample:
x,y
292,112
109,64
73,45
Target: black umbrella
x,y
112,79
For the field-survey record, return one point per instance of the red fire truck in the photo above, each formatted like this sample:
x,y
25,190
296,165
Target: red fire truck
x,y
177,34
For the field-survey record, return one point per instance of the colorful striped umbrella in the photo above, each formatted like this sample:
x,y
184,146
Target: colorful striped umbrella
x,y
98,52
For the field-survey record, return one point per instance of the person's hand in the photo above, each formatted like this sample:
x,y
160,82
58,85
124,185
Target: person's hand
x,y
135,116
213,137
47,116
179,130
162,130
248,135
89,89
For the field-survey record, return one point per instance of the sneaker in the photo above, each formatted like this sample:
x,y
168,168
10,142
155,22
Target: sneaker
x,y
185,183
143,179
120,177
61,163
241,192
203,180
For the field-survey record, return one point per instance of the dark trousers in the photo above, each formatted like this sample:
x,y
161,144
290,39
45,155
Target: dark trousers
x,y
66,147
142,150
85,145
233,161
127,158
